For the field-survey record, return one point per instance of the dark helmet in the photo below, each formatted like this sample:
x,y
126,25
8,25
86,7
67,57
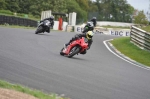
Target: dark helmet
x,y
90,24
94,18
52,17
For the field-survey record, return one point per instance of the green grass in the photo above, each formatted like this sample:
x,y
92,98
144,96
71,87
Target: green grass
x,y
147,28
124,45
35,93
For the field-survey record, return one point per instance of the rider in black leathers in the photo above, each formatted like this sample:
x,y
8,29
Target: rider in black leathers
x,y
87,35
90,25
51,19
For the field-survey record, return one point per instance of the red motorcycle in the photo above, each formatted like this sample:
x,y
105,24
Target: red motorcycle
x,y
75,47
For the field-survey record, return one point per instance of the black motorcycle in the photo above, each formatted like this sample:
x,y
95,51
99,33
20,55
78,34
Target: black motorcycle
x,y
43,27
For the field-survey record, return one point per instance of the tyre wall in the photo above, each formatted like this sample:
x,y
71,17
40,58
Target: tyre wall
x,y
11,20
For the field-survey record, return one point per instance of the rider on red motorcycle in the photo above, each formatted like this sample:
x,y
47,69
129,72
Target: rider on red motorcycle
x,y
87,35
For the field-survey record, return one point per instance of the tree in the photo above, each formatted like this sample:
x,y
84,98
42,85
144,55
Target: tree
x,y
121,10
93,10
114,10
58,6
12,5
93,7
104,10
141,18
3,4
24,6
83,4
73,6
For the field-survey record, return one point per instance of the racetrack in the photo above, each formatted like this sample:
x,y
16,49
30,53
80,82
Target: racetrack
x,y
34,61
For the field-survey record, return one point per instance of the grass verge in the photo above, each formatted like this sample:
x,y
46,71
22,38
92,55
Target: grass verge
x,y
128,49
147,28
35,93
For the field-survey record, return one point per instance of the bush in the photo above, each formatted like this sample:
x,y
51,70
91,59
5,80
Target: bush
x,y
6,12
22,15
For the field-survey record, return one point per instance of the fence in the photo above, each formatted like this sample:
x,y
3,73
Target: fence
x,y
11,20
140,38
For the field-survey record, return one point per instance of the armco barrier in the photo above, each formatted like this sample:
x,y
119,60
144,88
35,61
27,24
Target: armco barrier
x,y
140,38
17,21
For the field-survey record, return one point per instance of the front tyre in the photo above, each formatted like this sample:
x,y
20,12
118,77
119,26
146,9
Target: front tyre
x,y
39,30
61,52
75,50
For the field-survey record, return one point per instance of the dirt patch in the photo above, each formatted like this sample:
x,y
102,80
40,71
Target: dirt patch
x,y
11,94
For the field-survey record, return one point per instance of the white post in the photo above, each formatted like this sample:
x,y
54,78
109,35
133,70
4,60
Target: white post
x,y
45,14
72,19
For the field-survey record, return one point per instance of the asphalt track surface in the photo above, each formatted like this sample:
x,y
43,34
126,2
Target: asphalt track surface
x,y
34,61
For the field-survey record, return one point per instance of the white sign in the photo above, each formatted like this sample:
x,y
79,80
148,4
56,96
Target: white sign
x,y
78,29
115,32
119,32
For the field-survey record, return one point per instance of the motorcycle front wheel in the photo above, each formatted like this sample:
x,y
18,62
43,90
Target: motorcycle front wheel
x,y
61,53
75,50
39,30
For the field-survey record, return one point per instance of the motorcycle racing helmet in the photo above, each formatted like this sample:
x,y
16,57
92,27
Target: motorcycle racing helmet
x,y
90,24
94,18
89,35
52,17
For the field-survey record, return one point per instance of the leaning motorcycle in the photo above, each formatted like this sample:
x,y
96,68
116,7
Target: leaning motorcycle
x,y
43,27
75,47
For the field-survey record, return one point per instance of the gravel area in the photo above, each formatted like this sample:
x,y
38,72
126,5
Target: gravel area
x,y
11,94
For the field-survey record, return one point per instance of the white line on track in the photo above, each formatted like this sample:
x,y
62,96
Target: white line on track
x,y
147,68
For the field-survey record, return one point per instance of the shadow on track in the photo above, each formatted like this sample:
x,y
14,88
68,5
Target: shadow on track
x,y
43,34
76,58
